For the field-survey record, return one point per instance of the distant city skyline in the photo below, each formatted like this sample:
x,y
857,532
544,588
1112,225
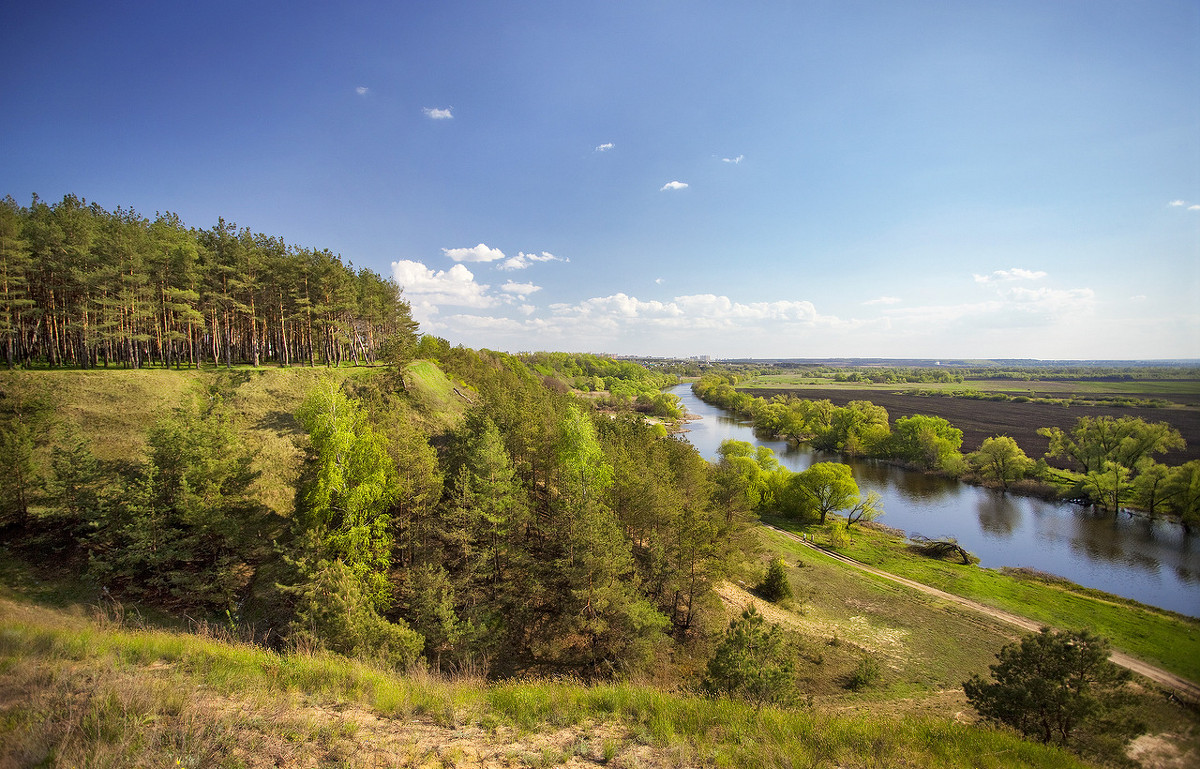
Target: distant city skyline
x,y
674,179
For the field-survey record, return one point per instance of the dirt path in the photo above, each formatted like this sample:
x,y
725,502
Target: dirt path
x,y
1181,686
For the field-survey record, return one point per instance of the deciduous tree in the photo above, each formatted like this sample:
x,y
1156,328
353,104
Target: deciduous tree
x,y
1000,459
1049,685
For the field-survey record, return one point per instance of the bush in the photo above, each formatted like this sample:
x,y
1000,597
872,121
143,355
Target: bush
x,y
754,662
867,673
775,586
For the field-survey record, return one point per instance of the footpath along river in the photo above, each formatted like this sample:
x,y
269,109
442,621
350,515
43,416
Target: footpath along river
x,y
1154,562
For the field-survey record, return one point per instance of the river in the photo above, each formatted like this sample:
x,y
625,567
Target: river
x,y
1151,561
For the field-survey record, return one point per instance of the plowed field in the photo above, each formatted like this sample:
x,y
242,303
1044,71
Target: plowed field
x,y
980,419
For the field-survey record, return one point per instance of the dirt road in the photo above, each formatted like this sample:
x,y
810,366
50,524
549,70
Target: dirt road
x,y
1181,686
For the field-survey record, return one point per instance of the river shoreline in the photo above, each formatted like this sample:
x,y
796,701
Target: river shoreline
x,y
1144,559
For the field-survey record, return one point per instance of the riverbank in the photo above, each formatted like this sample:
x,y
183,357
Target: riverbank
x,y
1164,638
1147,560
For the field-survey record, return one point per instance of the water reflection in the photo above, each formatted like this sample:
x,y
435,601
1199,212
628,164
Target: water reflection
x,y
998,514
1150,561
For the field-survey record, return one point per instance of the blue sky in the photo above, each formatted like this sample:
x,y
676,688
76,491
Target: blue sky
x,y
763,179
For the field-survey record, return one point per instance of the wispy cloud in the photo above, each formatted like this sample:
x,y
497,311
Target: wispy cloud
x,y
659,281
435,113
673,186
1194,208
604,147
735,161
690,311
519,290
523,260
479,253
1016,273
361,90
882,300
1177,203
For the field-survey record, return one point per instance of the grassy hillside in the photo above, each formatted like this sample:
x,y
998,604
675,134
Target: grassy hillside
x,y
87,681
88,691
113,409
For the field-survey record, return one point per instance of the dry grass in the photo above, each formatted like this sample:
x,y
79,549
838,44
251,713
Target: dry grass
x,y
80,691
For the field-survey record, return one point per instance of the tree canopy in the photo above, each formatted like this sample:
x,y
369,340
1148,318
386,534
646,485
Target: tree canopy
x,y
1049,685
81,286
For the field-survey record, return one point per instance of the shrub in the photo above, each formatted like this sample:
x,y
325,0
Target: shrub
x,y
775,586
754,662
866,673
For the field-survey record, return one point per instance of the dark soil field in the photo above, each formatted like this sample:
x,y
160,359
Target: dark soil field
x,y
980,419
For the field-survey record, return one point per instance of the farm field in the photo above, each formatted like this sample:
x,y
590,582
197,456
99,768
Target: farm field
x,y
980,419
1179,391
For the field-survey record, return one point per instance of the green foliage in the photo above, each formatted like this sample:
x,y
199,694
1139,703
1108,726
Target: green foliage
x,y
347,499
1150,490
926,441
1183,491
431,610
1000,459
839,535
866,673
754,662
1126,441
81,286
828,487
775,586
181,529
1108,486
333,612
24,423
1049,685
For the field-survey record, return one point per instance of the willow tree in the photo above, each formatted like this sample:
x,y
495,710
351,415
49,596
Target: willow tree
x,y
1000,459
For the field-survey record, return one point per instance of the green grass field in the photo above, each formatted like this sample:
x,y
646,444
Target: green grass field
x,y
1163,638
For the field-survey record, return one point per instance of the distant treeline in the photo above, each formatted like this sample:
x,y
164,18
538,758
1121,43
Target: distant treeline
x,y
85,287
1109,461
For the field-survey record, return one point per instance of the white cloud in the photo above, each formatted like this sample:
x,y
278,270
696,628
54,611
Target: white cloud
x,y
735,161
673,186
1194,208
523,260
1015,273
604,147
527,309
1050,302
883,300
435,113
1138,298
425,288
479,253
688,312
659,281
519,290
361,90
1177,203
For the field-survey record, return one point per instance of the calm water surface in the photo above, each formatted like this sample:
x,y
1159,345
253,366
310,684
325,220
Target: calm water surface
x,y
1149,561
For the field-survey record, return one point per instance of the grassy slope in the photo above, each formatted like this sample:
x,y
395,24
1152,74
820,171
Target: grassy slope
x,y
113,409
925,648
77,691
1164,638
